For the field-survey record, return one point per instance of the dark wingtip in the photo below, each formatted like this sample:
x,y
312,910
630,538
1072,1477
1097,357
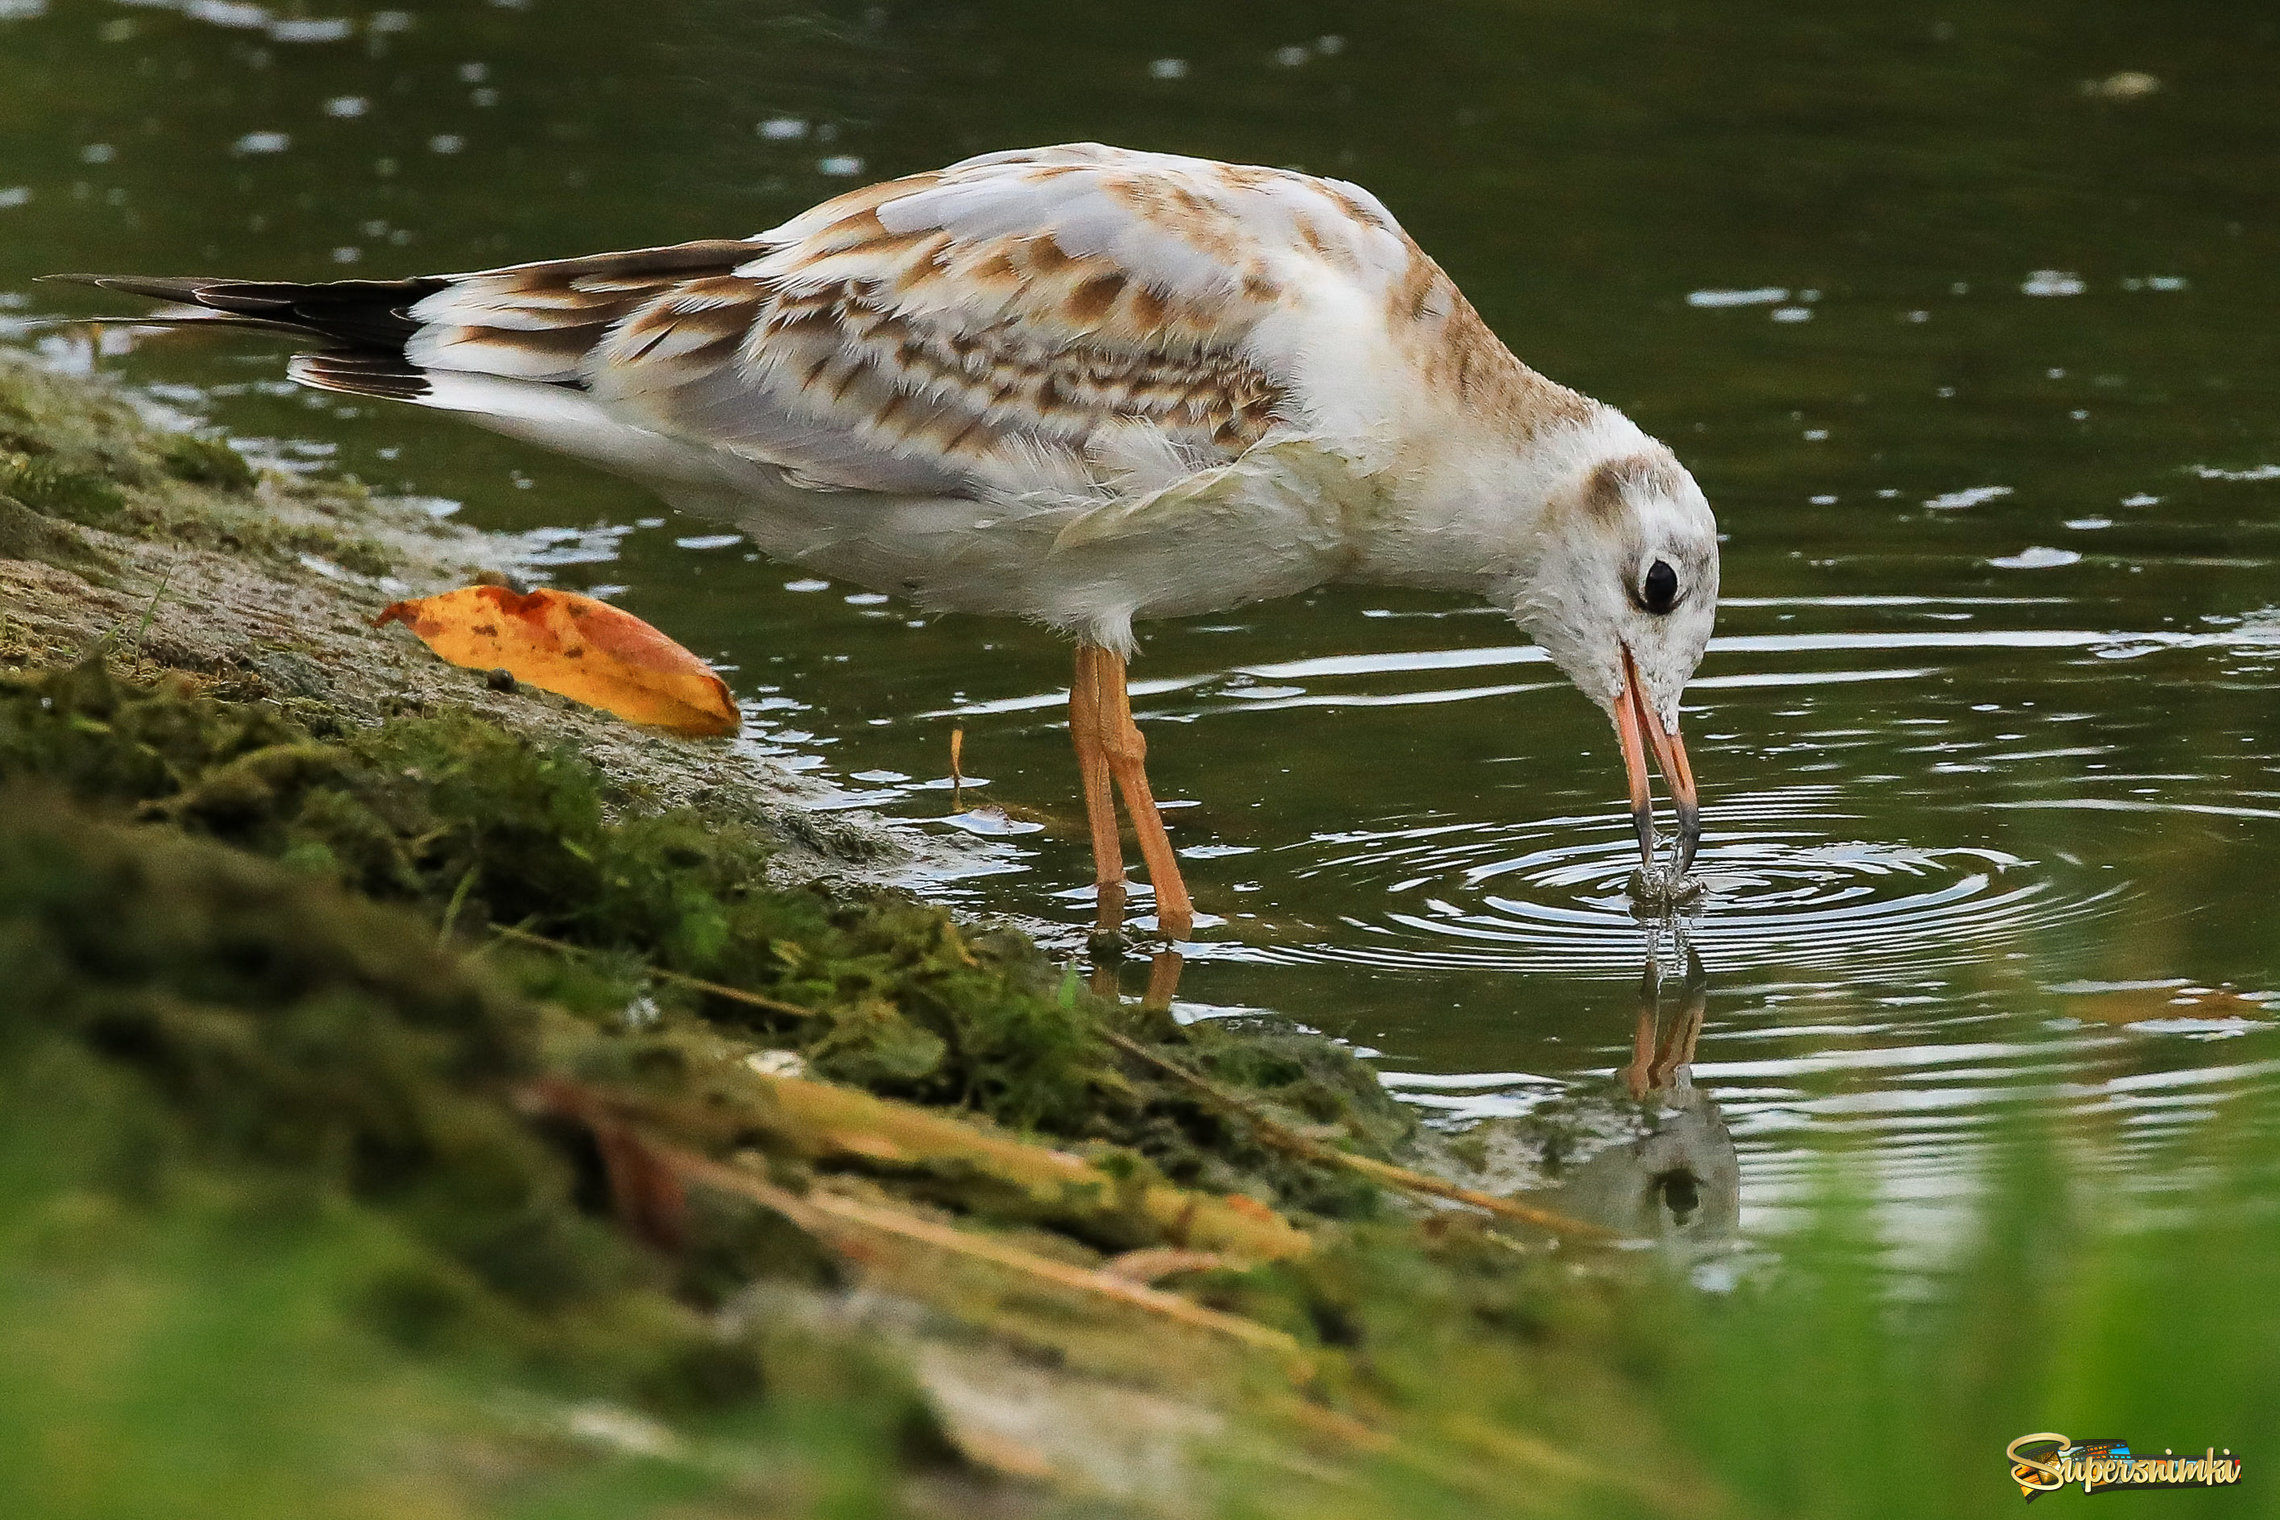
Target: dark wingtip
x,y
178,293
367,315
183,289
100,281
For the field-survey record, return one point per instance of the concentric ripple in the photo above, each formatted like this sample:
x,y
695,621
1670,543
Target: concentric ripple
x,y
1787,888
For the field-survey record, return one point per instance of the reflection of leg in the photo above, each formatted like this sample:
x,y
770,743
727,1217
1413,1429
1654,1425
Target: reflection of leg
x,y
1638,1074
1677,1053
1108,944
1127,761
1085,729
1163,980
1655,1065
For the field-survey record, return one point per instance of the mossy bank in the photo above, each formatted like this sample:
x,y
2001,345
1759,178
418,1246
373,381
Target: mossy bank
x,y
169,552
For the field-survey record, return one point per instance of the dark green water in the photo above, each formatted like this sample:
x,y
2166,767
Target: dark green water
x,y
1977,364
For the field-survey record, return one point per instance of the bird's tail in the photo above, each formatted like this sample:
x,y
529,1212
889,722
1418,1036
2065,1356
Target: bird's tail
x,y
364,323
530,322
368,315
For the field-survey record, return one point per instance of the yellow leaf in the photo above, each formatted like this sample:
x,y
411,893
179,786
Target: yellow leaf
x,y
576,647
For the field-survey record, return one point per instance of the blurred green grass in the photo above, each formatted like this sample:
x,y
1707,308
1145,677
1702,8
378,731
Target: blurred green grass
x,y
1842,1385
203,1337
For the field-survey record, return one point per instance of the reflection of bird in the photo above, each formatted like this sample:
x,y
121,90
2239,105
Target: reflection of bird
x,y
1681,1179
1084,386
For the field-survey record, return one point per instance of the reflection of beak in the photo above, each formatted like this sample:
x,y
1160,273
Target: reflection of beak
x,y
1637,727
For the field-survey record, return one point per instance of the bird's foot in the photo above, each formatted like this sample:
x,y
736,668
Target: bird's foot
x,y
1657,891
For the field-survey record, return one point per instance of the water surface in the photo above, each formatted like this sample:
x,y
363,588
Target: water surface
x,y
1968,340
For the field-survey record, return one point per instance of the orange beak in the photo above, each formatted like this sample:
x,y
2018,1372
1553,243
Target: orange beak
x,y
1637,727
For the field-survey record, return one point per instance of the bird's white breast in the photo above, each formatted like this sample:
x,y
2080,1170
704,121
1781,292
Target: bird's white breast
x,y
1280,519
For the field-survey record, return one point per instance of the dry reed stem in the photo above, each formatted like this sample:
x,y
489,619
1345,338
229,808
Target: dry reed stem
x,y
829,1215
1285,1139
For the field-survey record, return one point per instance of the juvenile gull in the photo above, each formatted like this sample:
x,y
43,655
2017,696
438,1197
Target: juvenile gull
x,y
1084,386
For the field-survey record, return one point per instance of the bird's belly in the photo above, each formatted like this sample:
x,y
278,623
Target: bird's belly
x,y
1088,568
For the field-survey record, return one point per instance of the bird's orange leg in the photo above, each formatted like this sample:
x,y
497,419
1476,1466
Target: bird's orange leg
x,y
1127,761
1086,729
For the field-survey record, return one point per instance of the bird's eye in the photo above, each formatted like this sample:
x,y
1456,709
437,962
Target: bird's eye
x,y
1659,591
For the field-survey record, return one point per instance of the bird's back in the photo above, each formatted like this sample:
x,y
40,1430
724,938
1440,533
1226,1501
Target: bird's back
x,y
900,379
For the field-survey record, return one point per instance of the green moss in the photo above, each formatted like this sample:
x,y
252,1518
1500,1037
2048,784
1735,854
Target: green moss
x,y
51,487
247,1345
77,430
79,453
273,1031
478,827
209,1020
207,462
106,741
362,555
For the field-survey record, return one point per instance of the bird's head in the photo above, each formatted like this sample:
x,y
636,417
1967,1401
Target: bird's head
x,y
1621,593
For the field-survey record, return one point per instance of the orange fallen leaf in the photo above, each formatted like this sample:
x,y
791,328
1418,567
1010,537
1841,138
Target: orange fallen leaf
x,y
576,647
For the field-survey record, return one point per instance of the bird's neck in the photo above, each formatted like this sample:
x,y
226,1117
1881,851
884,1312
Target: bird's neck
x,y
1463,511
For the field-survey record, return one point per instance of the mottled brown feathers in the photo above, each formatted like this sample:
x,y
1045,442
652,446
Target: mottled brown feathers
x,y
1455,351
903,335
1604,488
